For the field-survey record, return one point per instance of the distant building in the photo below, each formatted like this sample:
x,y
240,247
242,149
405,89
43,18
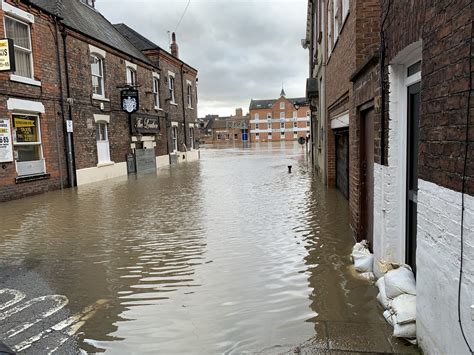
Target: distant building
x,y
283,119
228,129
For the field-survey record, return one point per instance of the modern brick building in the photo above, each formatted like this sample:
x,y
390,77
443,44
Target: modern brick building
x,y
398,79
229,130
283,119
72,65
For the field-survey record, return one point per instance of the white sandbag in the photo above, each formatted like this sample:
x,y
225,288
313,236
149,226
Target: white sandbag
x,y
404,307
363,259
390,317
382,297
369,276
381,267
407,330
399,281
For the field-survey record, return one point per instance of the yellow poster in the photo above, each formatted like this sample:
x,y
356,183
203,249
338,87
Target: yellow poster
x,y
5,64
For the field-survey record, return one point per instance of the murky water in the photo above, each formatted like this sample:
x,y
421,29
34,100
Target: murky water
x,y
228,254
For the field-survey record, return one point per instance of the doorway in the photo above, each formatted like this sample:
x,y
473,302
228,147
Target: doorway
x,y
342,161
367,175
413,123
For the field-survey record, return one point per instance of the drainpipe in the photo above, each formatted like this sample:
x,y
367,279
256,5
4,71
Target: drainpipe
x,y
70,159
184,109
60,76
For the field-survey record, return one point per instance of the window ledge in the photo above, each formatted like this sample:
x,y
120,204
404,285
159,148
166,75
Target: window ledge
x,y
100,98
24,80
106,163
28,178
158,108
173,103
190,108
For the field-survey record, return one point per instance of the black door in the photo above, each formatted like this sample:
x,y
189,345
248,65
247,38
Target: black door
x,y
367,175
342,161
412,173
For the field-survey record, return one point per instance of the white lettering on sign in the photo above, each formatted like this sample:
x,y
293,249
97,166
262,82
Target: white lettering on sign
x,y
5,64
6,146
69,126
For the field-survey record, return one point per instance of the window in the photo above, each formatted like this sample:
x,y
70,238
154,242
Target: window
x,y
308,113
269,116
295,124
102,138
257,117
345,9
27,145
336,19
191,137
282,115
256,126
190,96
156,92
282,125
282,105
295,135
97,70
20,33
270,135
131,76
282,135
295,114
307,124
257,135
174,139
171,88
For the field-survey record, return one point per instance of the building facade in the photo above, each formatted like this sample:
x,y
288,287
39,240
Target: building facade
x,y
62,106
399,82
279,120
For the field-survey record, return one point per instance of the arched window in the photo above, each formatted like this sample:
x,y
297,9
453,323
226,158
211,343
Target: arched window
x,y
97,70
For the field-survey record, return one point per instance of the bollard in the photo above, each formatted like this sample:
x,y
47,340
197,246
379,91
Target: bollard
x,y
289,169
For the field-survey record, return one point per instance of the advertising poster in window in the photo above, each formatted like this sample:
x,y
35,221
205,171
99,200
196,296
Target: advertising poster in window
x,y
7,58
25,129
6,147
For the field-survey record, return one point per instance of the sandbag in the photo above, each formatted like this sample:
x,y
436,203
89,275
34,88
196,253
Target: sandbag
x,y
404,307
382,297
389,317
363,259
407,330
381,267
399,281
369,276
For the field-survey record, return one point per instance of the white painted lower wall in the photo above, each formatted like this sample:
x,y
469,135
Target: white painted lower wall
x,y
95,174
162,160
438,261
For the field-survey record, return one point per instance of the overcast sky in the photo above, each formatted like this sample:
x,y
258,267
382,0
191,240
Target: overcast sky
x,y
243,49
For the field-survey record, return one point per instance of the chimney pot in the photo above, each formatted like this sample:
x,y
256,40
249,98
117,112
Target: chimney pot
x,y
174,46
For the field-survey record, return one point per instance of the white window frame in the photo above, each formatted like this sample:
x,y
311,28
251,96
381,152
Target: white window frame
x,y
189,93
282,105
256,116
15,76
282,115
41,163
257,136
102,86
172,87
295,114
335,20
174,138
191,138
269,116
345,10
156,91
132,73
282,125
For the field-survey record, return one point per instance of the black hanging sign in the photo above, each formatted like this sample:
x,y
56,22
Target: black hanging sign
x,y
130,101
7,55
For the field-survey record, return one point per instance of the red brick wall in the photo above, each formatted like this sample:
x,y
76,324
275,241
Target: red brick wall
x,y
445,29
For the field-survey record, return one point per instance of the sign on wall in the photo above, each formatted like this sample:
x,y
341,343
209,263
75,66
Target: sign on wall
x,y
129,100
7,55
145,125
6,146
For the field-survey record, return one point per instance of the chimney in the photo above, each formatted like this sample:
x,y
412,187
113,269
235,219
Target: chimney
x,y
174,46
238,112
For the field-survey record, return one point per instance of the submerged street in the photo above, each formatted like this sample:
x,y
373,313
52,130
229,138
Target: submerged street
x,y
230,254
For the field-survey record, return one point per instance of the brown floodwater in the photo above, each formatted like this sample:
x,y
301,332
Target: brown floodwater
x,y
231,254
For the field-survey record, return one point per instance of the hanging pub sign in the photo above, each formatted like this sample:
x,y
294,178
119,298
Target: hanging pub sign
x,y
129,100
6,147
144,125
7,55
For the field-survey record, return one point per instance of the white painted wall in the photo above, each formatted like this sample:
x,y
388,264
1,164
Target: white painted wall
x,y
438,262
89,175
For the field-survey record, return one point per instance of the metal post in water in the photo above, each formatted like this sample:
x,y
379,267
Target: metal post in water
x,y
289,169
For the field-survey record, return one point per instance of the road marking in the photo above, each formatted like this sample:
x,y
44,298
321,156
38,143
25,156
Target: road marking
x,y
17,297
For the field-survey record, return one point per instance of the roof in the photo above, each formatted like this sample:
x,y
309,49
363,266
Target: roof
x,y
90,22
265,104
142,43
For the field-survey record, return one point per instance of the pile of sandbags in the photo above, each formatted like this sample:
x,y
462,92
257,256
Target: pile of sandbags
x,y
363,260
397,295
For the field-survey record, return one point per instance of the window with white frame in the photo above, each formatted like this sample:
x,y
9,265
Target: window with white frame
x,y
282,135
282,125
97,70
256,117
171,88
20,33
27,145
189,95
174,139
257,126
131,76
269,135
295,135
345,9
156,92
282,115
191,137
282,105
295,114
308,113
257,135
269,116
295,124
102,138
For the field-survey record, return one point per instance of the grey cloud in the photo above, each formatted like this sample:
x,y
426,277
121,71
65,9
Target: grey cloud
x,y
242,49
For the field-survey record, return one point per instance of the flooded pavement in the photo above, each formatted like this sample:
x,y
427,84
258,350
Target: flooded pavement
x,y
230,254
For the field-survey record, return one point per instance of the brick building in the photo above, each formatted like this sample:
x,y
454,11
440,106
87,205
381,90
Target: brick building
x,y
71,67
283,119
407,101
32,157
230,129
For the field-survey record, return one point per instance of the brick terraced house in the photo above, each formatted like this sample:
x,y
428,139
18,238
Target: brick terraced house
x,y
62,106
283,119
398,80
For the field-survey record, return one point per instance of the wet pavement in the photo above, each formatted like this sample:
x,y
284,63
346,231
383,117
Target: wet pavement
x,y
230,254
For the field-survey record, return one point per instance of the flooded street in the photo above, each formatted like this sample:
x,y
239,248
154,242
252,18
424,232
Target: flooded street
x,y
230,254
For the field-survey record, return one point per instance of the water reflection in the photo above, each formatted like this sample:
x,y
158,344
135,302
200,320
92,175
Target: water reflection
x,y
229,254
